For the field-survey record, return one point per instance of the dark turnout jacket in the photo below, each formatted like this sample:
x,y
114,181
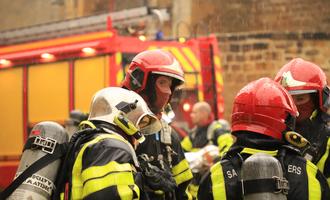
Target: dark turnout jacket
x,y
223,181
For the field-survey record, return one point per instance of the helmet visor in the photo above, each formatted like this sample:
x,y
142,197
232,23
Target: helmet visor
x,y
326,97
297,92
148,124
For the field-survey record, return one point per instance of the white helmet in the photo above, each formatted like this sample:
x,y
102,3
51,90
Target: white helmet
x,y
124,108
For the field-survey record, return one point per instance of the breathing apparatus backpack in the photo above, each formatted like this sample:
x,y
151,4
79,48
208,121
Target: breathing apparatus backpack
x,y
48,157
263,176
39,164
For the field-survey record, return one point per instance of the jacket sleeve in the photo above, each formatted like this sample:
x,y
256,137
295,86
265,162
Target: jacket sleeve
x,y
180,170
317,180
223,139
107,171
324,162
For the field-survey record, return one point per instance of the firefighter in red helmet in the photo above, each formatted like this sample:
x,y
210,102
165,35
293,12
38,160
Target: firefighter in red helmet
x,y
155,74
307,84
263,112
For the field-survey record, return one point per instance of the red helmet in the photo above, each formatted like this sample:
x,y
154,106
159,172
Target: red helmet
x,y
301,77
265,107
155,62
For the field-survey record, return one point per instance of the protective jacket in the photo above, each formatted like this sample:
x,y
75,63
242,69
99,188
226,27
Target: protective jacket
x,y
223,180
167,156
104,166
213,133
317,132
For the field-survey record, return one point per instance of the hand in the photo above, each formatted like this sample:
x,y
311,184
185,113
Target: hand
x,y
158,179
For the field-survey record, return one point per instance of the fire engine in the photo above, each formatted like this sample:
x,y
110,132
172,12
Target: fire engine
x,y
46,79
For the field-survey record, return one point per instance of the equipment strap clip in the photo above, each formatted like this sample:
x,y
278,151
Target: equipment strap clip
x,y
282,185
275,184
47,144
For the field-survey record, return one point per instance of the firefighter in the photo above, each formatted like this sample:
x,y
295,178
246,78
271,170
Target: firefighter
x,y
207,130
155,74
307,84
105,164
206,134
263,115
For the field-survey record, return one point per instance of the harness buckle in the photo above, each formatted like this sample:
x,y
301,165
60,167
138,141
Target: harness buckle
x,y
281,185
47,144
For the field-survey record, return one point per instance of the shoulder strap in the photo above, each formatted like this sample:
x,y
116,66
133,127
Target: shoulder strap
x,y
234,157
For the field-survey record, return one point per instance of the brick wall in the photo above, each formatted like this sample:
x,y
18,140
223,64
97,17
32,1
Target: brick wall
x,y
247,57
223,16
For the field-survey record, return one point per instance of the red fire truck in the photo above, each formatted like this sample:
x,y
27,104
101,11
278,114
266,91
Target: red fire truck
x,y
46,79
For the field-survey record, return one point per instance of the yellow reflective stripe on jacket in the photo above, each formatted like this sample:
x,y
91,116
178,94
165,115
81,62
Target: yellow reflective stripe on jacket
x,y
77,182
182,172
218,182
186,145
193,190
126,192
321,163
254,151
224,143
314,187
97,178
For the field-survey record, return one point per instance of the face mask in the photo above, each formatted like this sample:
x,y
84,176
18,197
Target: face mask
x,y
305,110
162,98
163,92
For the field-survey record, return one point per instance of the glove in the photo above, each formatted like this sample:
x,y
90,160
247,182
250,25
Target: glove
x,y
158,179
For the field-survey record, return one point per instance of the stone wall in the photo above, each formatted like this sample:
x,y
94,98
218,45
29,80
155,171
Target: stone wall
x,y
223,16
247,57
24,13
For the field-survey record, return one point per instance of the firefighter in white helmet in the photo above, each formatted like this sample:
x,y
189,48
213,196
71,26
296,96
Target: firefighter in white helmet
x,y
155,74
105,163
